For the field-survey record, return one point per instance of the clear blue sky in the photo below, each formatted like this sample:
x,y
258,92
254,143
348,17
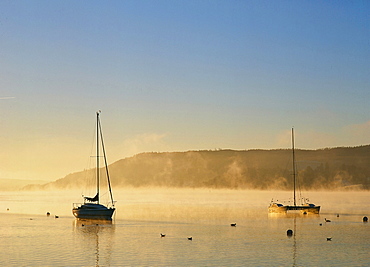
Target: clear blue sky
x,y
178,76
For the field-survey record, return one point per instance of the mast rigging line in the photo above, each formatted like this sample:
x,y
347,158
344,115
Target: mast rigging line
x,y
105,157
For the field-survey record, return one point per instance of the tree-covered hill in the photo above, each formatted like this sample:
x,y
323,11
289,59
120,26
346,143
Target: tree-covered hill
x,y
332,168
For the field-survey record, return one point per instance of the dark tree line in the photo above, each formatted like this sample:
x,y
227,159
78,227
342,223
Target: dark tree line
x,y
336,168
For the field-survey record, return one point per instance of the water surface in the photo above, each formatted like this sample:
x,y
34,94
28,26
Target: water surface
x,y
30,238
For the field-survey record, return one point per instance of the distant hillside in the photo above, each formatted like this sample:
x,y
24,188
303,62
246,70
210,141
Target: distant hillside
x,y
334,168
16,184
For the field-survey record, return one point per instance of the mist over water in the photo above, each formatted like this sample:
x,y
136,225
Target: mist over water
x,y
160,203
30,238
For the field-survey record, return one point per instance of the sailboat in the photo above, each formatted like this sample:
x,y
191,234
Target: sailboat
x,y
92,208
305,207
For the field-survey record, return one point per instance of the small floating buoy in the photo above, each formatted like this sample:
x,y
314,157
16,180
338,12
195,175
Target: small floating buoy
x,y
304,212
163,235
328,239
190,238
7,209
320,224
337,215
365,219
233,224
289,232
48,214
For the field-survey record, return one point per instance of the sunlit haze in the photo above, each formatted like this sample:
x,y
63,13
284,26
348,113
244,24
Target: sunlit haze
x,y
178,76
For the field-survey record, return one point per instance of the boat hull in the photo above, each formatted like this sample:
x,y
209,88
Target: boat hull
x,y
93,212
305,209
277,208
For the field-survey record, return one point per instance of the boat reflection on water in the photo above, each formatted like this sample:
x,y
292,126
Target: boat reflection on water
x,y
97,236
291,217
80,223
294,242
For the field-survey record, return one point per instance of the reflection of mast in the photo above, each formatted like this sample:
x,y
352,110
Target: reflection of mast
x,y
97,246
294,242
97,233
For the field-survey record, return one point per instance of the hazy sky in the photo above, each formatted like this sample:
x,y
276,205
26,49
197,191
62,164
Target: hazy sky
x,y
178,76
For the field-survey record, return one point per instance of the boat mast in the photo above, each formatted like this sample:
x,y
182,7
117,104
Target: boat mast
x,y
106,165
97,155
294,169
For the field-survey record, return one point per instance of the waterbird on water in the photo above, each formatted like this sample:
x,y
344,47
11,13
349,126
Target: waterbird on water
x,y
233,224
328,239
190,238
326,220
163,235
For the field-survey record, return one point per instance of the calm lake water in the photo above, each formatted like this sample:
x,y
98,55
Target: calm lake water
x,y
30,238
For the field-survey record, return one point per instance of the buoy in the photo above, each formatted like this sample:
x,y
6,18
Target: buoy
x,y
48,214
233,224
320,224
365,219
190,238
337,215
289,232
